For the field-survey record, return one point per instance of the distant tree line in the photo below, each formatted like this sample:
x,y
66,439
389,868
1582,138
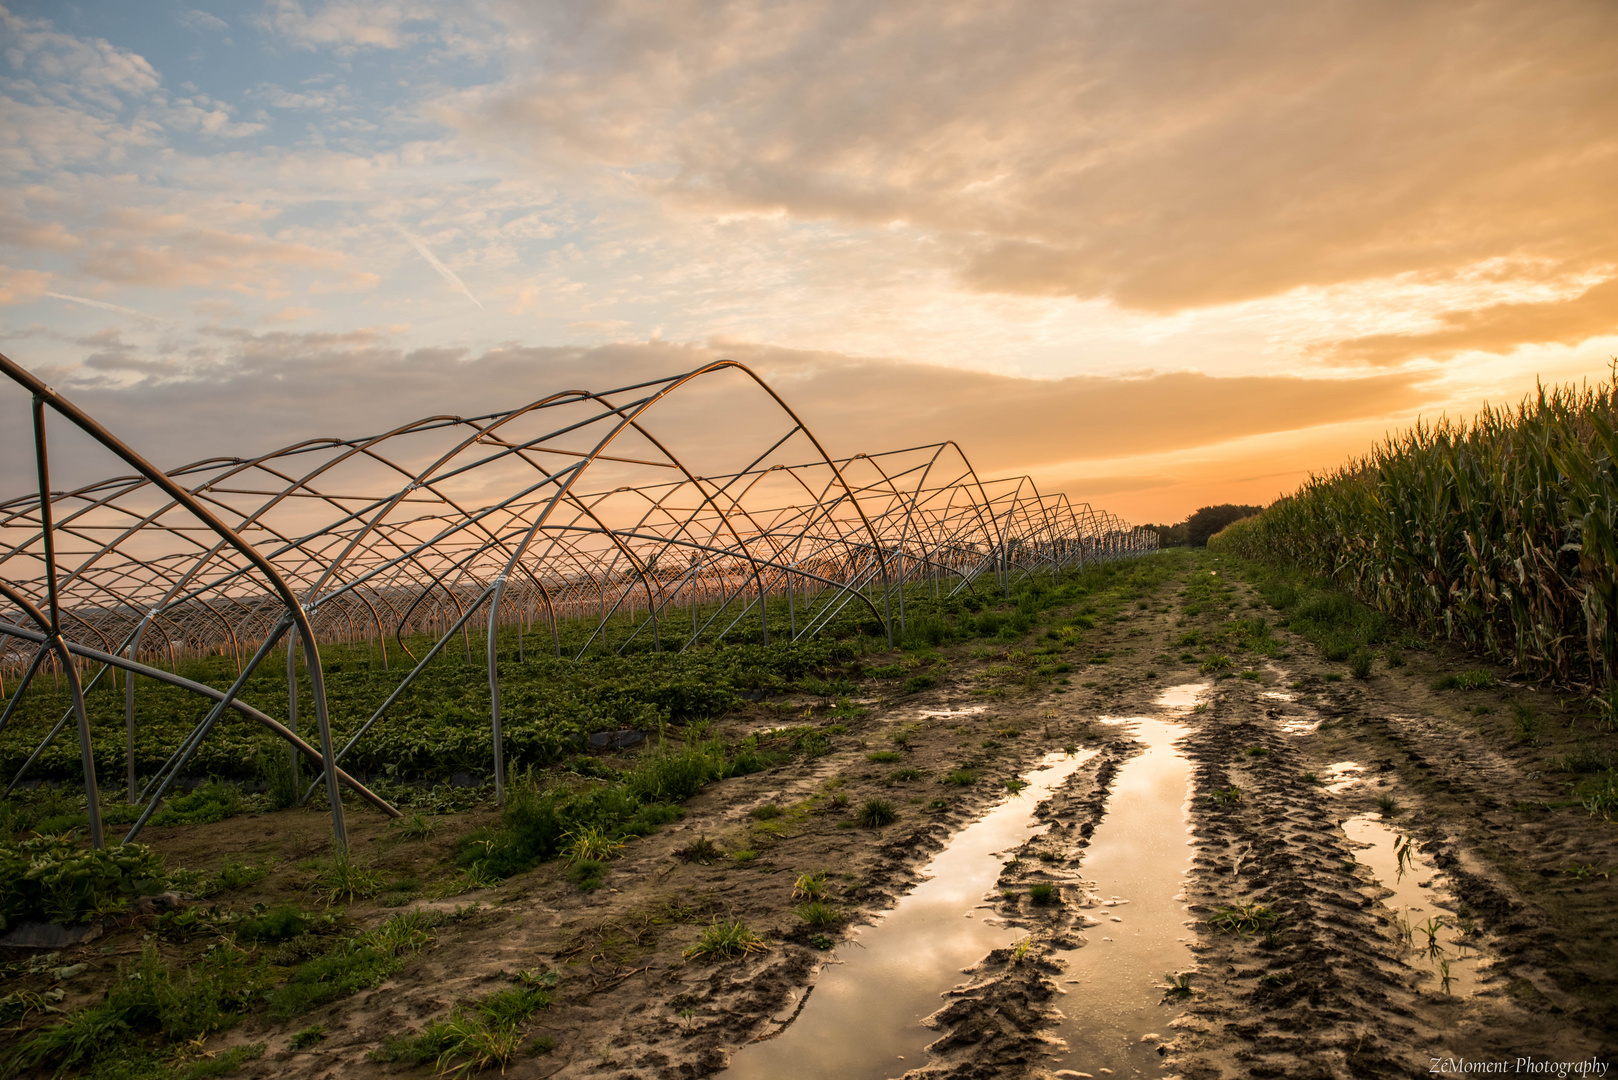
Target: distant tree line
x,y
1195,530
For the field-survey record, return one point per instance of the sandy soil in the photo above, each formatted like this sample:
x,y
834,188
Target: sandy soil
x,y
1335,994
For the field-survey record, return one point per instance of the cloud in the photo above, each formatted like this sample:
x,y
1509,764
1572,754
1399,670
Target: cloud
x,y
345,26
305,385
63,67
318,100
1497,328
21,286
208,117
1164,156
205,257
194,19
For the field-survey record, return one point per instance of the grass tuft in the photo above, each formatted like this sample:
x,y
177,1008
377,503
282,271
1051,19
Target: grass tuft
x,y
877,813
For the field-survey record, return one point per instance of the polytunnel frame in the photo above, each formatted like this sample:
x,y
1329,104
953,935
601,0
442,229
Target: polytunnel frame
x,y
448,561
295,614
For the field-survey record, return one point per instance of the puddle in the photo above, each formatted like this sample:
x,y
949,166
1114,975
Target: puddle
x,y
863,1017
946,714
1181,697
1414,904
1135,866
1342,775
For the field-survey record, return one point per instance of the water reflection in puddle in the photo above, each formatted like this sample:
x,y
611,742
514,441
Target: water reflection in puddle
x,y
1447,951
946,714
1139,856
1342,775
863,1017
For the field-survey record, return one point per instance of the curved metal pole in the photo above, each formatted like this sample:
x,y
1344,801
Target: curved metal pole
x,y
85,423
274,726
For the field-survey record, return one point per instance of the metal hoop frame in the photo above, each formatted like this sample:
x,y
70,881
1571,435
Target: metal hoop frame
x,y
568,511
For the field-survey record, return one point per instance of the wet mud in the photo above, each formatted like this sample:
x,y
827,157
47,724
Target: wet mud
x,y
1272,865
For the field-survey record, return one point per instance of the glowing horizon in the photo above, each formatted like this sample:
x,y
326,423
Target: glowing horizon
x,y
1152,257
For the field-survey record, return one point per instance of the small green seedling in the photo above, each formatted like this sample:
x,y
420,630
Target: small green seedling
x,y
1178,986
1243,919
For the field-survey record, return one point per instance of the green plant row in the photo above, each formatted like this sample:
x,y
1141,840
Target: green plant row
x,y
440,725
1501,533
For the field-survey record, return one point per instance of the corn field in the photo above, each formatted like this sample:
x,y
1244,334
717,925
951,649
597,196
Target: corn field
x,y
1501,533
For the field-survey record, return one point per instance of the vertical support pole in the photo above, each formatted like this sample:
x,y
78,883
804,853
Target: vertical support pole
x,y
317,685
292,706
494,693
129,714
86,756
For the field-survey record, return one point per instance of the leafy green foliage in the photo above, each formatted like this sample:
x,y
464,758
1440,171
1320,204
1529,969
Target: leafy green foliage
x,y
52,878
1211,519
212,801
439,724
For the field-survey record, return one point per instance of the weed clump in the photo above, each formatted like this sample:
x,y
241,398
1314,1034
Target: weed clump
x,y
726,938
587,874
478,1036
702,850
818,913
344,881
1044,893
51,878
281,923
215,800
917,683
877,813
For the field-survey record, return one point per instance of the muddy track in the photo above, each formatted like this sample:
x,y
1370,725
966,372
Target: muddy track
x,y
1333,992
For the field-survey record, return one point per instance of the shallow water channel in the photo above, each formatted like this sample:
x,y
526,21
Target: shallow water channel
x,y
1135,867
863,1017
1437,939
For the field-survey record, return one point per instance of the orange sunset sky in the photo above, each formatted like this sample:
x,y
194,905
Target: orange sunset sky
x,y
1155,254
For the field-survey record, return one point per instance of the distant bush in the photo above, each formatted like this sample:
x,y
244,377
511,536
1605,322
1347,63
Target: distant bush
x,y
1211,519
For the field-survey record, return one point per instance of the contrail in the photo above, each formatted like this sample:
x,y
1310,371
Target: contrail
x,y
104,304
445,272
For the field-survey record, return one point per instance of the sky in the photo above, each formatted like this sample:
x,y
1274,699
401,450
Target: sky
x,y
1156,254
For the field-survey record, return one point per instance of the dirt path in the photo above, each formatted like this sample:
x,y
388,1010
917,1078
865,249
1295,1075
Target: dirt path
x,y
1333,992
